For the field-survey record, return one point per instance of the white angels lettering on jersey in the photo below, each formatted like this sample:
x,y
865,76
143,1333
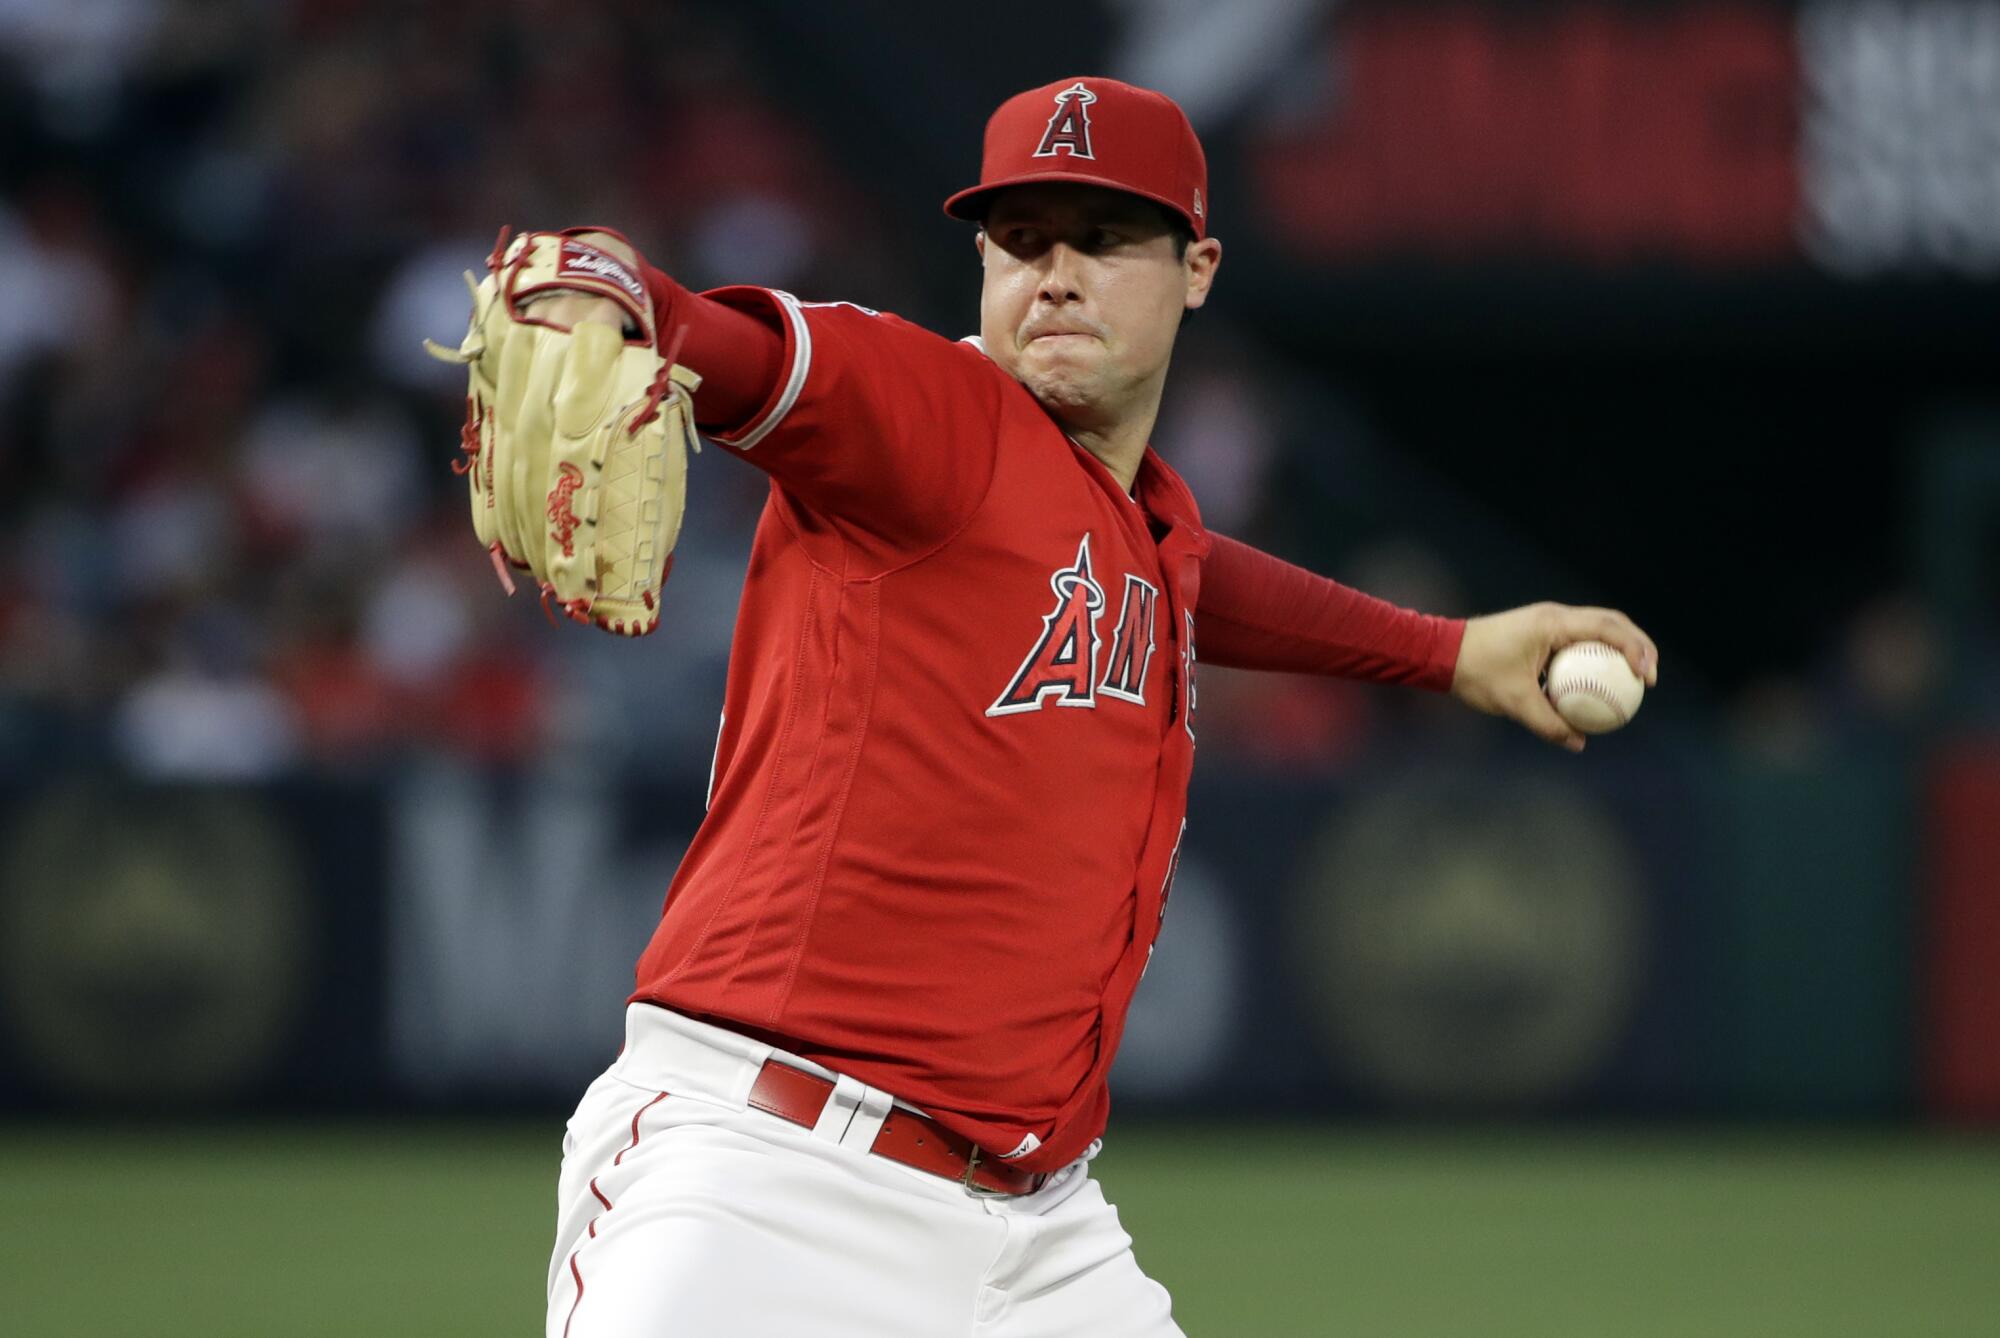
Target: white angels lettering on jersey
x,y
1063,664
1125,671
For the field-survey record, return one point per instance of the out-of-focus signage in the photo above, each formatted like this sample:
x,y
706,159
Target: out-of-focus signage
x,y
1857,136
1472,947
154,942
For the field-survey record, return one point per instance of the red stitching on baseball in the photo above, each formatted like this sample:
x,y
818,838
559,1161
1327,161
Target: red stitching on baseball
x,y
1600,692
1590,687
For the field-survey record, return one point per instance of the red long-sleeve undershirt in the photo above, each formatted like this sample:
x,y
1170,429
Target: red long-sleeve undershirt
x,y
739,357
1261,612
1256,611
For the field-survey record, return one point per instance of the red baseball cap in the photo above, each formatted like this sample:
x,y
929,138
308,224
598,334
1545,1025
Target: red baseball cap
x,y
1099,132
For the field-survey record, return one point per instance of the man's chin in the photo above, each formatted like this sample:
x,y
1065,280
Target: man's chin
x,y
1063,395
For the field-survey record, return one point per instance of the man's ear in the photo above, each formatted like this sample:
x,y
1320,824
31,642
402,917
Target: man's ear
x,y
979,243
1203,258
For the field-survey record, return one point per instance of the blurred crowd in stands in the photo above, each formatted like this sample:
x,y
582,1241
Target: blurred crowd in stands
x,y
232,541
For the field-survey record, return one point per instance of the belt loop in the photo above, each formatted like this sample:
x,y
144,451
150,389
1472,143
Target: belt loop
x,y
872,1110
838,1112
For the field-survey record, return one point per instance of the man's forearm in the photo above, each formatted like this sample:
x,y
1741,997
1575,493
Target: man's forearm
x,y
738,355
1260,612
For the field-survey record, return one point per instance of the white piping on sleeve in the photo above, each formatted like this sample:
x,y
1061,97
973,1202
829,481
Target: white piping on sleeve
x,y
802,347
715,758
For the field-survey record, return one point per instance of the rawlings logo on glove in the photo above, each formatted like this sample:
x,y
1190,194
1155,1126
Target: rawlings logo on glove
x,y
562,520
575,441
579,259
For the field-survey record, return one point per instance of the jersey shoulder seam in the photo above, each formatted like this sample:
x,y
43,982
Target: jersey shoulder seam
x,y
784,516
985,493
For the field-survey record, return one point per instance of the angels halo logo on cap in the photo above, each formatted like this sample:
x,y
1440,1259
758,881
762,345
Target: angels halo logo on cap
x,y
1069,126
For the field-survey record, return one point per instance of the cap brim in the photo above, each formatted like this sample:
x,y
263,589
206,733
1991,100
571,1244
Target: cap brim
x,y
970,204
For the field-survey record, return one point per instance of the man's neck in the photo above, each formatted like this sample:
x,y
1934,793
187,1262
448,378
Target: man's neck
x,y
1119,443
1118,450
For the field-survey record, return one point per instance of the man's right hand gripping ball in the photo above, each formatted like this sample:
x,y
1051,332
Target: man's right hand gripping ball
x,y
576,436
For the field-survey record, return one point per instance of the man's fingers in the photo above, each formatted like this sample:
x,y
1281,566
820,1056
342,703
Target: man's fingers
x,y
1540,717
1615,629
1640,652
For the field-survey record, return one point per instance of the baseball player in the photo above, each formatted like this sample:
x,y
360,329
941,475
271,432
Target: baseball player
x,y
864,1065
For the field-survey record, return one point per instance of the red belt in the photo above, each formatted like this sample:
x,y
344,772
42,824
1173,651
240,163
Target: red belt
x,y
914,1140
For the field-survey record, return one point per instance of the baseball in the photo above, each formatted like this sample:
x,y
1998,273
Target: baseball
x,y
1592,687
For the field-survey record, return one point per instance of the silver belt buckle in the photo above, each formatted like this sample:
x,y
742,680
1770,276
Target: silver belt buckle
x,y
979,1191
972,1164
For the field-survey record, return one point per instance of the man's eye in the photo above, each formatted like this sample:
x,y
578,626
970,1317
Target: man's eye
x,y
1104,238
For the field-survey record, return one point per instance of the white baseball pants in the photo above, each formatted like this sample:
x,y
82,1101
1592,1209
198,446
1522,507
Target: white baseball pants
x,y
684,1211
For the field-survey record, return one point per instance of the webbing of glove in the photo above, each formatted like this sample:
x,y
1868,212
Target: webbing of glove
x,y
480,354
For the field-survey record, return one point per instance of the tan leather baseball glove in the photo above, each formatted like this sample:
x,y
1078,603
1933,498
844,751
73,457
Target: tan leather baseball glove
x,y
575,440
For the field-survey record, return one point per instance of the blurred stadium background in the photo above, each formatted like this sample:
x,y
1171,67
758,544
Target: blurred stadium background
x,y
322,867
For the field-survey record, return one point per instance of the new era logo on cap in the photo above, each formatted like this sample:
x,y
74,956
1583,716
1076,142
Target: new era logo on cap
x,y
1097,132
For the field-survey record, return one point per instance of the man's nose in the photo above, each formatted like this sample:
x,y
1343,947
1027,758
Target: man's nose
x,y
1062,278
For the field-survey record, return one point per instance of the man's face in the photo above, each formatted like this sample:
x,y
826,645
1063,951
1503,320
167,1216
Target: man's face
x,y
1082,296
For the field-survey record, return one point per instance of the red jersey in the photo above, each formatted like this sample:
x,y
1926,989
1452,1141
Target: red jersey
x,y
957,732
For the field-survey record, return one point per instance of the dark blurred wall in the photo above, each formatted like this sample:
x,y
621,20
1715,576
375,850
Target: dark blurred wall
x,y
1462,927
